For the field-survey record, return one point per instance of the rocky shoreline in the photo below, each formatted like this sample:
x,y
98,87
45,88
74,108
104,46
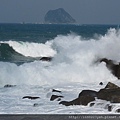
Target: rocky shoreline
x,y
110,93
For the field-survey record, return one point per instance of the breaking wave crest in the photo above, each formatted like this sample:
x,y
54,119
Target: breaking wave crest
x,y
73,60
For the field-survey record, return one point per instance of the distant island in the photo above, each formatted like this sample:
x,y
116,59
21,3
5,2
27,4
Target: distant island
x,y
58,16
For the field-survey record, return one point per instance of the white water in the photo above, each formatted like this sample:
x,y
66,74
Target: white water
x,y
32,49
72,69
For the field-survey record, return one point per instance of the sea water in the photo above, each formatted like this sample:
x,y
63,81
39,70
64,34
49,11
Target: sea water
x,y
75,50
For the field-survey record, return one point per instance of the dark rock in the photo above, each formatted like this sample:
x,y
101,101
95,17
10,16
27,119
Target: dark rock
x,y
46,58
91,93
6,86
118,110
115,68
111,86
115,99
59,99
83,100
118,71
66,103
53,97
110,93
58,16
92,104
101,83
110,108
53,90
30,97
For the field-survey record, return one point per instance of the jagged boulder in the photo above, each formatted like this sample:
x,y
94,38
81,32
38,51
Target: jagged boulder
x,y
84,98
111,93
114,68
111,86
91,93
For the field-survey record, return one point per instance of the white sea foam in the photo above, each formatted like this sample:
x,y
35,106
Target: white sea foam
x,y
32,49
72,69
74,61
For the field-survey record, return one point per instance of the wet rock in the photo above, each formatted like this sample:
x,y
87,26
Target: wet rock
x,y
115,68
83,100
118,72
53,97
110,108
8,85
59,99
30,97
118,110
111,86
66,103
46,58
92,104
54,90
110,93
115,99
91,93
101,83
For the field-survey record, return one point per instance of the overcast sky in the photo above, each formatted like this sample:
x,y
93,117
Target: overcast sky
x,y
83,11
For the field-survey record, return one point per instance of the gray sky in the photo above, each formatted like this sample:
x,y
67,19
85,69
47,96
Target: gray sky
x,y
84,11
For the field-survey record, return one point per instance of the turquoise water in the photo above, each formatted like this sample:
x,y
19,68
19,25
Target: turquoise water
x,y
40,33
43,32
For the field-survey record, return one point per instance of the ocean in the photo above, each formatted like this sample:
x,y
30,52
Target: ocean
x,y
74,50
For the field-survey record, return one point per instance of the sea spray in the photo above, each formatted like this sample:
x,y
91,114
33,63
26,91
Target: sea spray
x,y
31,49
73,61
74,67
